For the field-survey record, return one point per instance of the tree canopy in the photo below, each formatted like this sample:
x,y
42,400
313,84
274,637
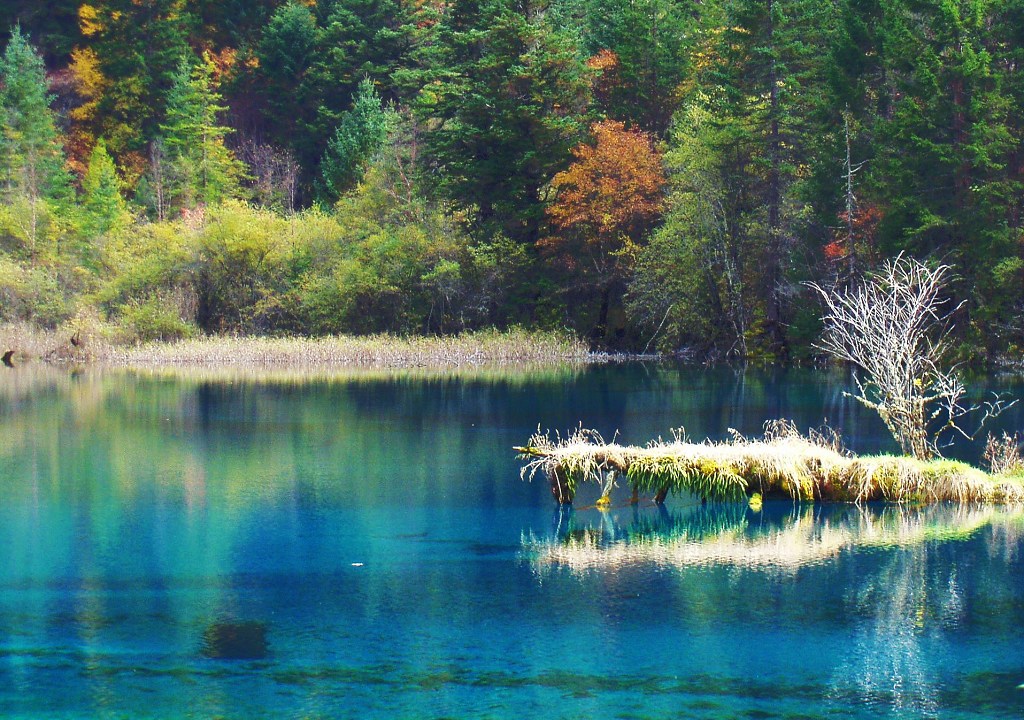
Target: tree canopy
x,y
652,173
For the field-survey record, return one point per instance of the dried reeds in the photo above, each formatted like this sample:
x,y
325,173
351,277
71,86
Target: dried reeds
x,y
783,463
492,347
488,347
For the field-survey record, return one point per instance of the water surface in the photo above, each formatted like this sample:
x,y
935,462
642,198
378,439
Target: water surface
x,y
374,531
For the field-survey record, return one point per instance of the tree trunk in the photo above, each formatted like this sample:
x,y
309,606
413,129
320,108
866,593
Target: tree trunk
x,y
773,266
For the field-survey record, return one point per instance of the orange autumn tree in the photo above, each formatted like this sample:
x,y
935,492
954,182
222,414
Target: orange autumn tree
x,y
605,202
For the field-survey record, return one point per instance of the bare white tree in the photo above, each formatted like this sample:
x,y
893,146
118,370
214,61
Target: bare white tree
x,y
894,328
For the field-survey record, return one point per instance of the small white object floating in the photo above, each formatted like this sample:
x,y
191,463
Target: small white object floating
x,y
357,564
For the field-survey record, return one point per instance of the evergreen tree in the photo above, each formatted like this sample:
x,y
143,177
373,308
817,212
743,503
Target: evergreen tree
x,y
760,68
52,24
203,170
504,104
361,132
651,42
313,58
285,52
31,153
124,68
104,206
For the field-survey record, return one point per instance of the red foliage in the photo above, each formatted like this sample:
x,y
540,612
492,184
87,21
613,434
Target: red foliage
x,y
865,228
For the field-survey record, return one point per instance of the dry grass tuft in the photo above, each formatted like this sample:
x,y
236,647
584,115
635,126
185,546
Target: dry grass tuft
x,y
1003,455
782,463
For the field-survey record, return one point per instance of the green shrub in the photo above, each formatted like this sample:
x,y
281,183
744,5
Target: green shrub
x,y
156,318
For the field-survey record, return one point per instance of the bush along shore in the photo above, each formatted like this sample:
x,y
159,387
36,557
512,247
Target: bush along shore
x,y
89,344
783,464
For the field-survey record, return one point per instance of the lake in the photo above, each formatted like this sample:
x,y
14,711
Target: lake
x,y
285,546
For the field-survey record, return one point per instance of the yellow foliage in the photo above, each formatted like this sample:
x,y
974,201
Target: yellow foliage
x,y
89,81
89,20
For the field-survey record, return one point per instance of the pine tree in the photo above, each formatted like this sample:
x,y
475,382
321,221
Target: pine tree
x,y
104,206
361,132
312,60
503,106
125,67
285,53
204,170
52,24
760,68
31,153
651,42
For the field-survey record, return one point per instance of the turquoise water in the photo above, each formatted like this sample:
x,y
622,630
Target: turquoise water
x,y
371,538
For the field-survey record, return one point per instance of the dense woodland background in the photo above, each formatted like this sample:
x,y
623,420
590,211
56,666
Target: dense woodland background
x,y
649,173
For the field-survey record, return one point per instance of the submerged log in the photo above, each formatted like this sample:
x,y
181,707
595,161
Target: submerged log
x,y
7,358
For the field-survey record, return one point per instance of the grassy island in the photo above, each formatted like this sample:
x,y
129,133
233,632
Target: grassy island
x,y
781,464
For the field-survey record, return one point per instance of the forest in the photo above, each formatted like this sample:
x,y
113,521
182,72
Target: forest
x,y
651,174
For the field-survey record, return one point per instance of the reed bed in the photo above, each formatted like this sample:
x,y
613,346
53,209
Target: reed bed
x,y
489,347
516,374
30,343
781,464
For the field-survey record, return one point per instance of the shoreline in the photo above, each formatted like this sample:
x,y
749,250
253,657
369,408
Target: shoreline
x,y
90,343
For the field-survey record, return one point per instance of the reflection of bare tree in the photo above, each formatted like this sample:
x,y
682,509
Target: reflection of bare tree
x,y
887,662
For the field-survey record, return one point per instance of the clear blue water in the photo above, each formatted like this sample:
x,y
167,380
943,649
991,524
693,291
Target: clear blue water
x,y
377,532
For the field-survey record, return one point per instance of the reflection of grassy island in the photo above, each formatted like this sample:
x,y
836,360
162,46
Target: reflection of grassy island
x,y
731,535
782,464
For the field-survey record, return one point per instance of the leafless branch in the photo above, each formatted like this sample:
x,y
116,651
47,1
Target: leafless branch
x,y
895,328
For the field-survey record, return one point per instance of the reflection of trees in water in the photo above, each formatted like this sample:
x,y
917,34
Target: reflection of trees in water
x,y
887,663
730,534
899,596
910,602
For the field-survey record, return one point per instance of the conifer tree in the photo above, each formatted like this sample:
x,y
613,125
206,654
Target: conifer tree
x,y
285,52
503,106
761,62
361,132
124,68
31,153
651,42
104,206
203,169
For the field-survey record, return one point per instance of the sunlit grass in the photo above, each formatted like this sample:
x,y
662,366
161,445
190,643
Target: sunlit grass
x,y
783,463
